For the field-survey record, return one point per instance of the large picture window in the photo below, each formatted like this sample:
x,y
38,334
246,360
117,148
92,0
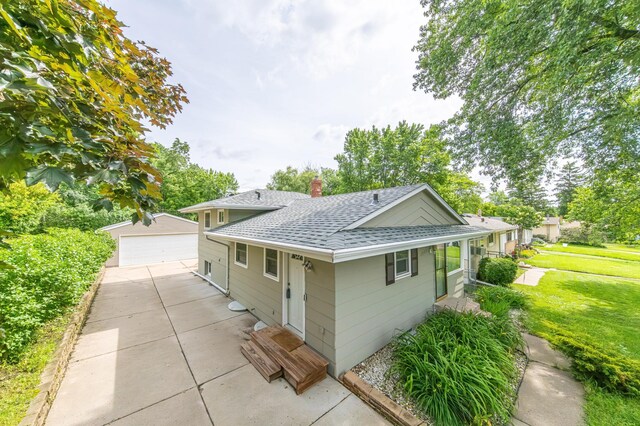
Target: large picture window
x,y
454,256
242,255
271,263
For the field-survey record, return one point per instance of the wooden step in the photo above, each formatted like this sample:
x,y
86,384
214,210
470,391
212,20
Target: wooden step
x,y
266,366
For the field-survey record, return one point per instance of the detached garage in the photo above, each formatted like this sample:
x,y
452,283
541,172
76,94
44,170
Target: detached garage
x,y
169,238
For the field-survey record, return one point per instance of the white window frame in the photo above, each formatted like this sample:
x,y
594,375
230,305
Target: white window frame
x,y
220,222
455,271
395,265
235,255
264,265
491,239
207,219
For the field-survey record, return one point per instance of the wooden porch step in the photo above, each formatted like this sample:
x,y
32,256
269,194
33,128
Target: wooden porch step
x,y
267,367
301,365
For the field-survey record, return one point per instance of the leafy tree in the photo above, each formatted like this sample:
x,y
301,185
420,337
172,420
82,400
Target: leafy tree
x,y
185,183
498,198
408,154
22,207
291,179
568,180
74,94
525,216
538,79
532,193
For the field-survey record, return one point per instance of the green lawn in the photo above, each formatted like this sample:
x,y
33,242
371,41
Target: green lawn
x,y
584,263
602,310
19,383
624,247
613,253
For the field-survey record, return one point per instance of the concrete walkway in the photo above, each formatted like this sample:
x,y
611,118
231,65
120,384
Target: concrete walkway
x,y
160,347
548,395
531,276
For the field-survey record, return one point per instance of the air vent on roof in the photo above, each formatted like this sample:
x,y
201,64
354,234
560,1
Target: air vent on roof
x,y
376,199
258,194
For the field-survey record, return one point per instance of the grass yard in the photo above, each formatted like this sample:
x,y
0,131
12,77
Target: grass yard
x,y
19,383
624,247
602,311
594,251
589,264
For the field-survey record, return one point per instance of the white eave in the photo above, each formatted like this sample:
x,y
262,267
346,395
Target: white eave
x,y
345,255
194,209
155,216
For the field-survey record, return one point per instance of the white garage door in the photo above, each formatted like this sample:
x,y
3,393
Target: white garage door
x,y
143,249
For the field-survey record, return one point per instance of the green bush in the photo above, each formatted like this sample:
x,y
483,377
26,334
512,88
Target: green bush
x,y
459,367
613,372
527,254
582,235
499,271
500,300
47,273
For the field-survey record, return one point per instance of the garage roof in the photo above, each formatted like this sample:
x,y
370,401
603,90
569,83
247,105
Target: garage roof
x,y
130,223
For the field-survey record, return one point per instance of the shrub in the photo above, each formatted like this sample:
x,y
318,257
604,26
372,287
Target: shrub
x,y
527,254
47,273
459,367
542,237
582,235
499,271
613,372
500,300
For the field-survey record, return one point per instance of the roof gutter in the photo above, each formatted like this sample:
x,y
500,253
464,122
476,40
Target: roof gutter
x,y
195,209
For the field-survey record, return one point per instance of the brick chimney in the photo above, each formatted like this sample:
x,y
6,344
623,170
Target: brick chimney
x,y
316,187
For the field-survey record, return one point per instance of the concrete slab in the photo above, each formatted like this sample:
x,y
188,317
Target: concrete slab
x,y
101,337
175,281
186,408
351,411
167,269
531,276
244,397
187,293
190,264
540,350
222,339
127,289
107,387
549,397
126,274
126,304
516,422
188,316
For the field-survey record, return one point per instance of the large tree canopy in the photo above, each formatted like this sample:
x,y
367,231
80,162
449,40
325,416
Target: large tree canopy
x,y
538,79
291,179
74,92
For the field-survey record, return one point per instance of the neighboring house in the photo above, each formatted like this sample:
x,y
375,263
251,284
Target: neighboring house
x,y
550,228
504,238
345,272
168,238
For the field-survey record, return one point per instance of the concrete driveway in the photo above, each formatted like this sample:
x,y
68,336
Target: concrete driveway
x,y
160,347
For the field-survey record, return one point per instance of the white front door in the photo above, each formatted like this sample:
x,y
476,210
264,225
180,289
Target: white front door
x,y
294,294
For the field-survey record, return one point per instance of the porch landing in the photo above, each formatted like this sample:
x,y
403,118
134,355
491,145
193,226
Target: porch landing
x,y
275,351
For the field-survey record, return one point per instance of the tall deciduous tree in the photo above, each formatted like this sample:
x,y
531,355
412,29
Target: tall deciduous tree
x,y
292,179
185,183
74,93
537,79
568,180
23,207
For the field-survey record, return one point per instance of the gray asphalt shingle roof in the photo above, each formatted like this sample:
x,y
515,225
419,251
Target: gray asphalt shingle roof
x,y
489,223
269,200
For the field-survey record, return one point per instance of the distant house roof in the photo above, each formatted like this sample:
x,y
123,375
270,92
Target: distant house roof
x,y
257,199
155,216
328,224
492,223
551,220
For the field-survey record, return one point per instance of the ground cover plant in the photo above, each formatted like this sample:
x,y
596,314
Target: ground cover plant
x,y
588,264
459,367
595,320
500,300
498,271
595,251
47,274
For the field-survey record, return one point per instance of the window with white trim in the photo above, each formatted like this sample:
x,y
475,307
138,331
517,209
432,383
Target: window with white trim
x,y
454,256
207,219
220,216
271,258
490,239
402,264
242,255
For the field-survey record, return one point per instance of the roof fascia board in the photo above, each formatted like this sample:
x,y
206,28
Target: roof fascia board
x,y
345,255
405,197
155,216
316,253
194,209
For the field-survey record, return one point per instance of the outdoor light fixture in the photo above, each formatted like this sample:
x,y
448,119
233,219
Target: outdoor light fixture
x,y
308,266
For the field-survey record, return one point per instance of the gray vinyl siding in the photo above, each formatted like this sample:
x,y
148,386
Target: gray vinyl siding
x,y
455,284
261,295
421,209
320,310
369,313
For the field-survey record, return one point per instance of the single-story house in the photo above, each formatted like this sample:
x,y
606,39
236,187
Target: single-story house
x,y
169,238
504,238
550,228
344,272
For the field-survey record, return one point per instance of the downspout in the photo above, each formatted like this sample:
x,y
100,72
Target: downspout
x,y
222,290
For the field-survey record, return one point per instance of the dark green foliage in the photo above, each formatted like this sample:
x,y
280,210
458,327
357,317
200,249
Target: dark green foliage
x,y
499,271
583,235
48,273
459,368
613,372
568,180
499,300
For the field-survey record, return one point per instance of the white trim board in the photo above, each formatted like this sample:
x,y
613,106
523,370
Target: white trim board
x,y
157,215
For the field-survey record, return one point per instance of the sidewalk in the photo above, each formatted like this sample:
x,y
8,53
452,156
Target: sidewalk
x,y
531,276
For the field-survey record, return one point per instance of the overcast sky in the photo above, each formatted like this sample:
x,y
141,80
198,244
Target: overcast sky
x,y
275,82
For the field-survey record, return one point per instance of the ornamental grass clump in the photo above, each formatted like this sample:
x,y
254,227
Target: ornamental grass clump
x,y
500,300
459,368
